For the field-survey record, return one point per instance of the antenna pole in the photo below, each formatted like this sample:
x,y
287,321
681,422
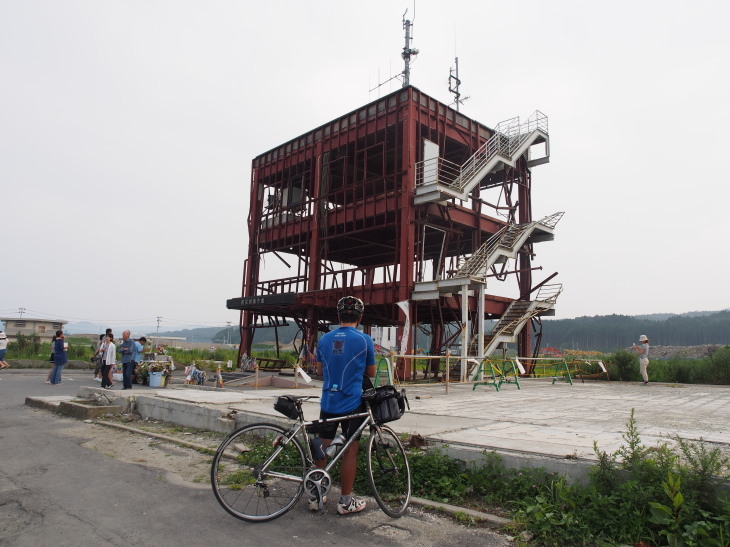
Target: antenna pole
x,y
454,83
408,51
454,79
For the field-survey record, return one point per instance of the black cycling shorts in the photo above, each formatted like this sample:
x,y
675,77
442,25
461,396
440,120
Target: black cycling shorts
x,y
328,431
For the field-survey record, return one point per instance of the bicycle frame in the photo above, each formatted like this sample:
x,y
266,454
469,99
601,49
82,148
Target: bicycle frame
x,y
300,428
255,473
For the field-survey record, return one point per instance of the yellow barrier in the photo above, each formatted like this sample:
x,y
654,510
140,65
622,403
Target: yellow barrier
x,y
548,367
495,372
588,368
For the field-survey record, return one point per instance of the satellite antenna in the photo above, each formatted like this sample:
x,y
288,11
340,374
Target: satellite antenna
x,y
454,83
408,51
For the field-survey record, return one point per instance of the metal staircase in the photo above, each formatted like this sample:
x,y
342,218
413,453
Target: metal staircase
x,y
438,179
513,320
506,243
518,314
472,274
503,245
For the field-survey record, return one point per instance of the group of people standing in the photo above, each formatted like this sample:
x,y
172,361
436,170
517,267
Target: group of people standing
x,y
106,358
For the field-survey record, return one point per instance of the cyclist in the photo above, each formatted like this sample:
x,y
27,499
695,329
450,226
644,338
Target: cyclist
x,y
344,356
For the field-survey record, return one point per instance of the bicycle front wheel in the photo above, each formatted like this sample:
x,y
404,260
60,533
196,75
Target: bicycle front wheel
x,y
388,471
255,476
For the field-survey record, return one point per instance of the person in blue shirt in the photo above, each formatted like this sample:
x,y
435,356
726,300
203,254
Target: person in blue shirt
x,y
137,359
344,356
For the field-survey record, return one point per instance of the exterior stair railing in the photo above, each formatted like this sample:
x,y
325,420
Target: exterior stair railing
x,y
518,314
504,243
510,140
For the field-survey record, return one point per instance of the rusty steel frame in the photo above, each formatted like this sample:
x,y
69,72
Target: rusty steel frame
x,y
336,205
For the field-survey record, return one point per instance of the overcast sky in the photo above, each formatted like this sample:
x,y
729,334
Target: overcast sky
x,y
127,130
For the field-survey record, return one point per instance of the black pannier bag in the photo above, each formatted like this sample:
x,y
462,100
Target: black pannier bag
x,y
388,404
287,406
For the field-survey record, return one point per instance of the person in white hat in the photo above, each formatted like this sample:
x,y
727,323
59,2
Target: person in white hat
x,y
643,351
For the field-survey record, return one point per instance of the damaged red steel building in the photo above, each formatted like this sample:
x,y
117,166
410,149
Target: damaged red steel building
x,y
389,203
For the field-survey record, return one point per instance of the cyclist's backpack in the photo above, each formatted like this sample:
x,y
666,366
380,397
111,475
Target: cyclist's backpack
x,y
389,404
287,407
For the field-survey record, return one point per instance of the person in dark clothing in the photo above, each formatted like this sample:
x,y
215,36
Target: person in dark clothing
x,y
60,357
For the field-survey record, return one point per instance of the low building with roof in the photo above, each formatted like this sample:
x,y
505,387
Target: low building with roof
x,y
27,326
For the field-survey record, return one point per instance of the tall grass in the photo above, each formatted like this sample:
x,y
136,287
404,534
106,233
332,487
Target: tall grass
x,y
624,366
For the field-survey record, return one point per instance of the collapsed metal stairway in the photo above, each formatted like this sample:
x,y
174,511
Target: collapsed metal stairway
x,y
517,315
438,179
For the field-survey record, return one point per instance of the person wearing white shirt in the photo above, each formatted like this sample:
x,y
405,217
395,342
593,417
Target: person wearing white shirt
x,y
110,362
643,351
3,349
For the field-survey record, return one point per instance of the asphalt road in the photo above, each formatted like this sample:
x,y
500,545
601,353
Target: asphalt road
x,y
55,492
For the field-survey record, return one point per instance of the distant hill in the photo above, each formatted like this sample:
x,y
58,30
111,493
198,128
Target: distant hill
x,y
198,334
665,316
202,334
600,332
611,332
286,335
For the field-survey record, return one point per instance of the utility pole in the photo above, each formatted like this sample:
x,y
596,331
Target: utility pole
x,y
229,332
158,329
21,311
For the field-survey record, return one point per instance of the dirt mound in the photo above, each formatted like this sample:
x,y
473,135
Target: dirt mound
x,y
683,352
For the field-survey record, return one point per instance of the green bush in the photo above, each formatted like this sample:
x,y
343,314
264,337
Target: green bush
x,y
719,365
25,347
657,495
623,366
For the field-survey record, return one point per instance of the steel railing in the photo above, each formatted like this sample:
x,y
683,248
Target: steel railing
x,y
509,136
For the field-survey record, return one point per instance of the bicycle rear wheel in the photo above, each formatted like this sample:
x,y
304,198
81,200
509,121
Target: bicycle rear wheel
x,y
388,471
250,486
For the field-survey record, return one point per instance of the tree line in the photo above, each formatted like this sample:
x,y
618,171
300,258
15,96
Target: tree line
x,y
612,332
598,333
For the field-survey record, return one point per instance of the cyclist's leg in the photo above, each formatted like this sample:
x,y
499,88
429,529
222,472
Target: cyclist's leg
x,y
326,432
348,466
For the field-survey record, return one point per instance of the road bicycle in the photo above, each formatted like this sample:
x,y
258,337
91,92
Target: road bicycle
x,y
261,470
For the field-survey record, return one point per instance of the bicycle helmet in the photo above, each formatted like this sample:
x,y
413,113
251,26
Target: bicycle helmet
x,y
349,305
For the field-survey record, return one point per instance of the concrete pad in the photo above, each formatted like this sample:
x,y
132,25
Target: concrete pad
x,y
541,425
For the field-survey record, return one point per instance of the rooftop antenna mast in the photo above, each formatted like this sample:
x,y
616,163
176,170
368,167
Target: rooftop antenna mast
x,y
454,83
408,51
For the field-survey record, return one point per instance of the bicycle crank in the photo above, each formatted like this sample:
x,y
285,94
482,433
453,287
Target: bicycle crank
x,y
317,483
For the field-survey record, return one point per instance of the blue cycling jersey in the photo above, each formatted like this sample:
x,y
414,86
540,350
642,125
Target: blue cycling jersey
x,y
344,354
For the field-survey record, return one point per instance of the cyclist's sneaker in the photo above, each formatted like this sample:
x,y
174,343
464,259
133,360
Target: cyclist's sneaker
x,y
314,503
353,506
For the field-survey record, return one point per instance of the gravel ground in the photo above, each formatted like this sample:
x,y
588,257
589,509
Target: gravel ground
x,y
179,462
